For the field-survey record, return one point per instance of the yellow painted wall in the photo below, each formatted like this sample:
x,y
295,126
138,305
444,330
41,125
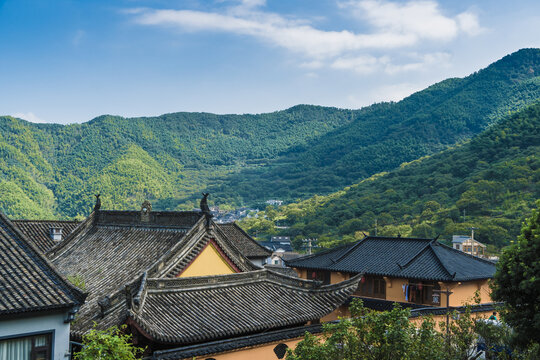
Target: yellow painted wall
x,y
337,277
262,352
464,292
208,262
477,315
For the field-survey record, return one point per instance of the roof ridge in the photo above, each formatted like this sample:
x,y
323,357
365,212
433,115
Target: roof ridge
x,y
43,221
415,256
446,247
249,236
53,253
440,261
349,250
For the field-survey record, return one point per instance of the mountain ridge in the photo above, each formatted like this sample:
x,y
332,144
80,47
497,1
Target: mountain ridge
x,y
289,154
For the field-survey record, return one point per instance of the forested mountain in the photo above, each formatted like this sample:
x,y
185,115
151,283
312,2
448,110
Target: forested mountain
x,y
383,136
53,170
49,170
490,183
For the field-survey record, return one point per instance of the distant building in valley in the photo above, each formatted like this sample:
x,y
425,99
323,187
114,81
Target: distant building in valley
x,y
468,245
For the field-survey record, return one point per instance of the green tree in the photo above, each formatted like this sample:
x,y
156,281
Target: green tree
x,y
517,282
373,335
109,344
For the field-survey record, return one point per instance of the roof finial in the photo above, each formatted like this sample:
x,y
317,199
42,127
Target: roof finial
x,y
97,206
204,203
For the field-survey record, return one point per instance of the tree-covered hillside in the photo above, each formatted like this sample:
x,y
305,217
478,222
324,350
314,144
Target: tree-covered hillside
x,y
49,170
53,170
383,136
490,183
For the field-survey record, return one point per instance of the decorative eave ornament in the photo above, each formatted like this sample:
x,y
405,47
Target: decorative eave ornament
x,y
97,206
205,208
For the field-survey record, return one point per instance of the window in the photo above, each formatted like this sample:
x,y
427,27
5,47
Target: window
x,y
281,350
372,287
37,347
423,292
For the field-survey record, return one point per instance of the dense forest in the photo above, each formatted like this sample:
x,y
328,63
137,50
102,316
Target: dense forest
x,y
52,171
383,136
490,183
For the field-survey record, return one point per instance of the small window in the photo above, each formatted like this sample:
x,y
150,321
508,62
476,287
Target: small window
x,y
280,350
37,347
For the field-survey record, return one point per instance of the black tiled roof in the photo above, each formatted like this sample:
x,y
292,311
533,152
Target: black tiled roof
x,y
215,347
38,231
28,282
413,258
194,310
244,242
113,248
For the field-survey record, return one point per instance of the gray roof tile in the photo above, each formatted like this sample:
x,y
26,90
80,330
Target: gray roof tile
x,y
28,282
424,259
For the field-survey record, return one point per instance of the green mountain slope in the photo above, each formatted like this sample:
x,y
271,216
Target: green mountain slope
x,y
165,159
490,183
50,170
385,135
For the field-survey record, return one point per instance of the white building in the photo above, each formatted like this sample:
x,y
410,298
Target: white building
x,y
37,304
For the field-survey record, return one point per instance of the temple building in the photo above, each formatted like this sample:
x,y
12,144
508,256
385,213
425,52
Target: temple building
x,y
414,272
37,304
178,279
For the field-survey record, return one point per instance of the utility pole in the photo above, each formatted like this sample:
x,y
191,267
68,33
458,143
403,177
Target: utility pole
x,y
376,227
447,292
472,239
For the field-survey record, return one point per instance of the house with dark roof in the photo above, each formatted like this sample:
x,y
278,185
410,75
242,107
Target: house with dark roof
x,y
37,303
45,234
406,270
177,278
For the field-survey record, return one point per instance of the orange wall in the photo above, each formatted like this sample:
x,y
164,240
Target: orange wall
x,y
442,318
463,292
262,352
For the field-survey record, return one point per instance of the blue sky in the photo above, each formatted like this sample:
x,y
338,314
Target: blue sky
x,y
70,61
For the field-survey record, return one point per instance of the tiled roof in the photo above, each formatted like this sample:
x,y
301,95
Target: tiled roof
x,y
219,346
28,282
194,310
38,231
412,258
113,248
244,242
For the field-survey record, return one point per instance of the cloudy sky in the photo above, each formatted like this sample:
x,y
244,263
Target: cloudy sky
x,y
69,61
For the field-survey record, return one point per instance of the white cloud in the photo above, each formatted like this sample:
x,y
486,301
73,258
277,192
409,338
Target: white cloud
x,y
393,25
420,19
29,116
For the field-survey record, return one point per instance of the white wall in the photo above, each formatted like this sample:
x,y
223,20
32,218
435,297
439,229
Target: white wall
x,y
32,324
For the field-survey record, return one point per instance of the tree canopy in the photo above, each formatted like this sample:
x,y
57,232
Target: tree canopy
x,y
517,281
